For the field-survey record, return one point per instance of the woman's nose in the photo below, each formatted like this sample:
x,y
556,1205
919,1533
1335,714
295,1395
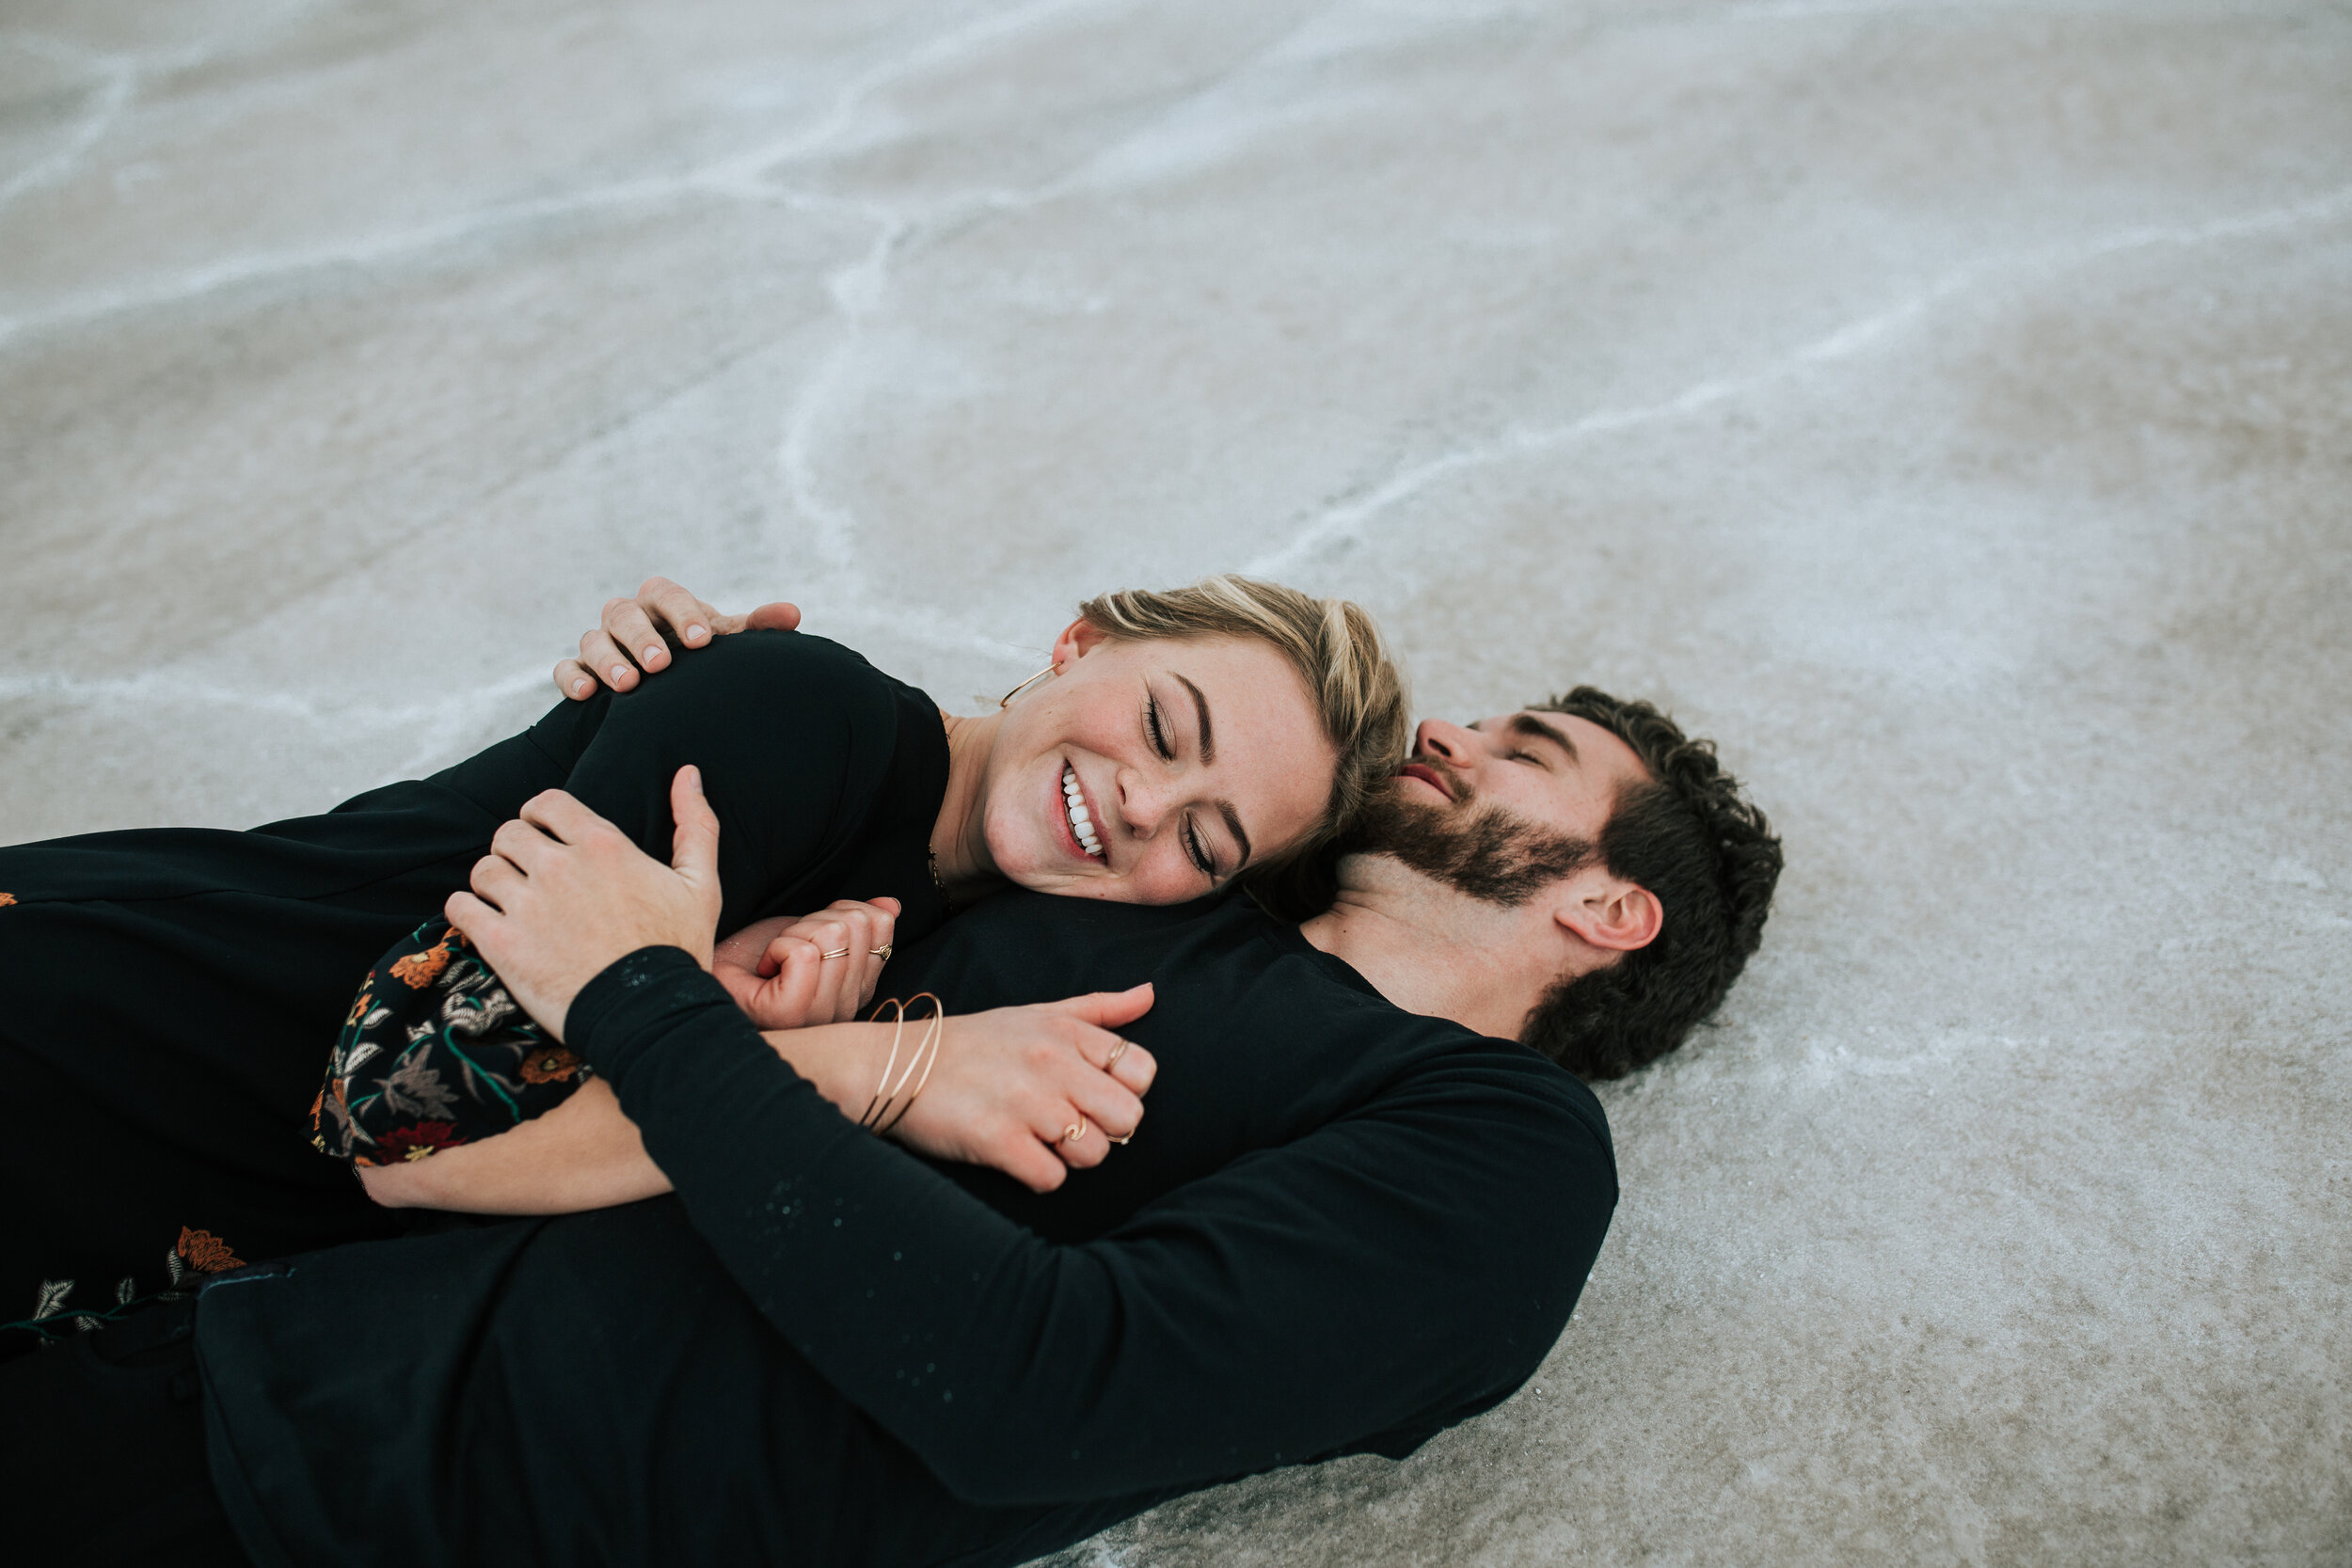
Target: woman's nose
x,y
1141,807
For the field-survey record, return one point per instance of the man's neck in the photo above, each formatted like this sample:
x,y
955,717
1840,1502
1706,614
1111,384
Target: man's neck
x,y
1432,950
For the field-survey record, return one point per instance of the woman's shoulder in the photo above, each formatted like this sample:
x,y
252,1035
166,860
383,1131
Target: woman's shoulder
x,y
813,667
810,684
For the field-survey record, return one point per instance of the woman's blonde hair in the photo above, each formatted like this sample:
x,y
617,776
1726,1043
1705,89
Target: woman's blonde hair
x,y
1334,645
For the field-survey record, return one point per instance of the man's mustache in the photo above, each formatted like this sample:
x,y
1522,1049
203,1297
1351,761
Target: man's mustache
x,y
1441,775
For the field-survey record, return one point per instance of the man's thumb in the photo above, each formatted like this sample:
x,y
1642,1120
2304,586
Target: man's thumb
x,y
1108,1009
695,845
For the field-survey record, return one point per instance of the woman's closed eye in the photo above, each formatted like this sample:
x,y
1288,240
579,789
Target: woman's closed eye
x,y
1157,728
1198,851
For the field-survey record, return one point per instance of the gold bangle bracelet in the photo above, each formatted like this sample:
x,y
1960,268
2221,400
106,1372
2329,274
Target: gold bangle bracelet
x,y
878,1119
927,1054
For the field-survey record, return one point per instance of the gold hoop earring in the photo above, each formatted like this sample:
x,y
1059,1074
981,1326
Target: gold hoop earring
x,y
1006,700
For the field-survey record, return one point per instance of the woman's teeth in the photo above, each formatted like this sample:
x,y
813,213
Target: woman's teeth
x,y
1081,823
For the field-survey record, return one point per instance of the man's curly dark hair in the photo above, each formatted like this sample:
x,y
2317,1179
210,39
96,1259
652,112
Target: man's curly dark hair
x,y
1709,857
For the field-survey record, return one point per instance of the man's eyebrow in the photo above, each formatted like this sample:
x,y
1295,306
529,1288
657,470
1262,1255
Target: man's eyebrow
x,y
1208,737
1233,820
1536,729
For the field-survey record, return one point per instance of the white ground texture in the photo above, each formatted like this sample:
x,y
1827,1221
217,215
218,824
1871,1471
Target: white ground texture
x,y
1947,408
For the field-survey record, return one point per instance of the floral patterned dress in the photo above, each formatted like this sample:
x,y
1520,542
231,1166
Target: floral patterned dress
x,y
436,1053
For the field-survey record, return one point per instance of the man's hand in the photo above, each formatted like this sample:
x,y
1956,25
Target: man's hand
x,y
637,634
563,894
778,972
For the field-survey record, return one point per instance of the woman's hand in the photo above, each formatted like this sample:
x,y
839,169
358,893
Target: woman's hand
x,y
778,973
1009,1085
637,634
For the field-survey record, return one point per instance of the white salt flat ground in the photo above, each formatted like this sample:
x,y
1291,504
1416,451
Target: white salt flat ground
x,y
1947,406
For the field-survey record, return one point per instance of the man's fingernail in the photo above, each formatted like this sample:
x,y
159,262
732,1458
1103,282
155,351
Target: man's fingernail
x,y
580,686
695,634
652,653
620,672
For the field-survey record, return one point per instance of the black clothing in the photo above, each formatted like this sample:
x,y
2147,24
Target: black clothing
x,y
174,992
102,1451
1339,1228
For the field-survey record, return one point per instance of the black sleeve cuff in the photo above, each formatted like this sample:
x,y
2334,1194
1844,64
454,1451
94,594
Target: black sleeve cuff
x,y
619,1016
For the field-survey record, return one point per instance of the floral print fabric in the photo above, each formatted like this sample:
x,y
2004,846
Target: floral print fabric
x,y
434,1054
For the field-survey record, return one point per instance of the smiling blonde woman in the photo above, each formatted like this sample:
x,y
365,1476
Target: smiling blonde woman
x,y
179,988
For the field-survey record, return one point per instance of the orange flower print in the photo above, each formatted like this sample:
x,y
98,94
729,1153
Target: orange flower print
x,y
550,1064
6,900
205,1252
359,1005
420,969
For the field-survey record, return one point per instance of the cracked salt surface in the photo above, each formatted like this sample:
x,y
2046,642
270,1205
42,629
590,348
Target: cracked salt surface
x,y
1943,409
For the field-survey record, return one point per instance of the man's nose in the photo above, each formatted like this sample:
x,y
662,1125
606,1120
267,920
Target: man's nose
x,y
1442,737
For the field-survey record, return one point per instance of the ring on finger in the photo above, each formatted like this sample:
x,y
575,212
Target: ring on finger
x,y
836,953
883,952
1076,1130
1117,1051
1122,1141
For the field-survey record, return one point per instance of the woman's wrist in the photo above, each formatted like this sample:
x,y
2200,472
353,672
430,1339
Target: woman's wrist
x,y
841,1060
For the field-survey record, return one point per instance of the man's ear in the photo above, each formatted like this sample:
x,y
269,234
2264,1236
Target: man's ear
x,y
1611,913
1077,640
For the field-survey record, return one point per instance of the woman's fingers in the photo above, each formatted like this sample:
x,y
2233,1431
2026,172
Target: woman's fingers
x,y
874,950
785,998
1105,1109
1129,1064
1018,1154
1107,1009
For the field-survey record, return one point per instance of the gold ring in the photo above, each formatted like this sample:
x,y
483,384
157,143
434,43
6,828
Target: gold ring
x,y
883,952
1117,1051
1076,1130
836,953
1120,1142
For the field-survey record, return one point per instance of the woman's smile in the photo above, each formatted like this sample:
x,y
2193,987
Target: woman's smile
x,y
1079,819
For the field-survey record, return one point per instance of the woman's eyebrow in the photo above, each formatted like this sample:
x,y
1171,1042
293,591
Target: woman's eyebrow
x,y
1233,821
1208,737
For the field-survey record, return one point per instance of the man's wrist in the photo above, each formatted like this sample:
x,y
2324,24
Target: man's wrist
x,y
626,1006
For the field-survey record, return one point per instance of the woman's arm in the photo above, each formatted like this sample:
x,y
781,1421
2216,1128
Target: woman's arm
x,y
583,1154
1005,1086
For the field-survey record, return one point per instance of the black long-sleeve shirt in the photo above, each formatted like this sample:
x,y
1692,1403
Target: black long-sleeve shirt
x,y
173,992
1340,1229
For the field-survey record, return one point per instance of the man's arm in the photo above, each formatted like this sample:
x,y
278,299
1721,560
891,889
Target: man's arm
x,y
1394,1272
1389,1275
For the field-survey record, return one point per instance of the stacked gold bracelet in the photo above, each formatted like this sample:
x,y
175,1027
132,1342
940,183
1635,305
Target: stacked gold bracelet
x,y
878,1118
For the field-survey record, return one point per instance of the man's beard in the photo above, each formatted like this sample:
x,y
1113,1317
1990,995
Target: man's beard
x,y
1492,855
